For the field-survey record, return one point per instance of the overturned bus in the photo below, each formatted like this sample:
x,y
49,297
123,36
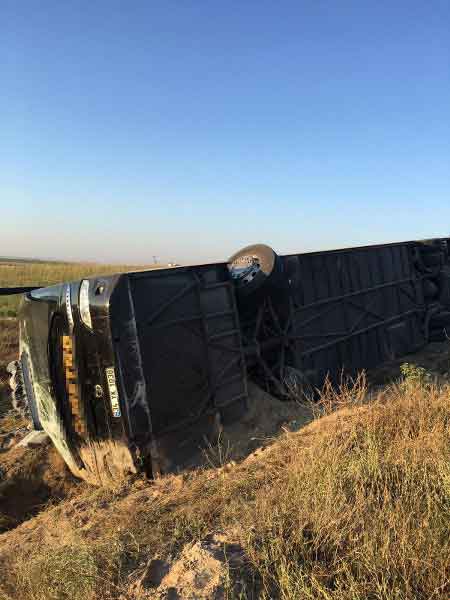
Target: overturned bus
x,y
130,372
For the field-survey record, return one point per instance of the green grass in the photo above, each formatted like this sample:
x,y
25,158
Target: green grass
x,y
22,273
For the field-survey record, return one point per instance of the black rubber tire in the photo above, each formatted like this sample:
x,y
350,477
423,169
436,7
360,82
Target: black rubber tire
x,y
18,393
22,396
269,274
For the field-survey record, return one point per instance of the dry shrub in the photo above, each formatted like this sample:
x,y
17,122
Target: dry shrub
x,y
364,511
354,506
75,570
61,573
350,392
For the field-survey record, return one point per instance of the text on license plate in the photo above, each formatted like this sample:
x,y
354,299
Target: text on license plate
x,y
113,393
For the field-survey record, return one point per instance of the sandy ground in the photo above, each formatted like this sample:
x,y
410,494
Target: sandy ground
x,y
32,477
34,483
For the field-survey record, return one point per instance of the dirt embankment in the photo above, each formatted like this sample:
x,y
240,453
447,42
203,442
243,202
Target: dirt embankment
x,y
30,480
273,495
37,491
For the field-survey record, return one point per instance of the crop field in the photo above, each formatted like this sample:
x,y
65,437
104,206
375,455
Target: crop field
x,y
16,273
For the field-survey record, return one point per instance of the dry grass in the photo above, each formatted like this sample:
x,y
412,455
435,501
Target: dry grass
x,y
18,274
72,571
363,512
355,506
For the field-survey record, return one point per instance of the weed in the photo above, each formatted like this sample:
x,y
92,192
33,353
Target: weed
x,y
414,374
218,454
354,506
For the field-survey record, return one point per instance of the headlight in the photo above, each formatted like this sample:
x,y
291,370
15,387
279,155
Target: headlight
x,y
85,311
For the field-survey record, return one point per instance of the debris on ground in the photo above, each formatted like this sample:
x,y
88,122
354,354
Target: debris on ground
x,y
33,439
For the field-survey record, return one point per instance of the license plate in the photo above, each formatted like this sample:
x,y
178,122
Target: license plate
x,y
113,393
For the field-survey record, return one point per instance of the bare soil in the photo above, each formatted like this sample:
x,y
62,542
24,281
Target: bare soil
x,y
30,480
201,572
42,503
34,478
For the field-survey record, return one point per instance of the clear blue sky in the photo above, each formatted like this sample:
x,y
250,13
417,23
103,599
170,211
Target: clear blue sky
x,y
188,129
